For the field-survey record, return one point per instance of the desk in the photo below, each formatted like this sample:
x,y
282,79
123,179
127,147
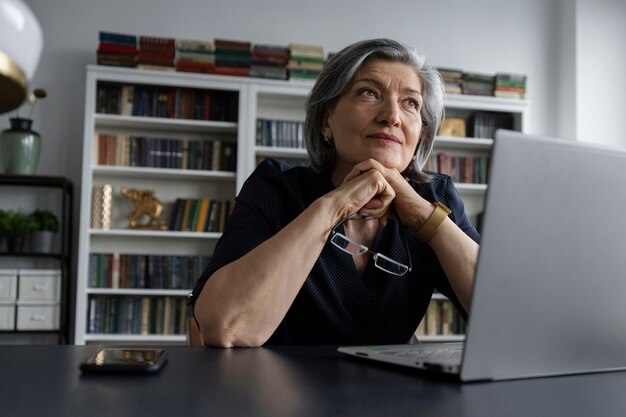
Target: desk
x,y
281,381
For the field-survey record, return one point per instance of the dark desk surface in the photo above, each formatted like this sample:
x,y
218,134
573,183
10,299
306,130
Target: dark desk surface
x,y
282,381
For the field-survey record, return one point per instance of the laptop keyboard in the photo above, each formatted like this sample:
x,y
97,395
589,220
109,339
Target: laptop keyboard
x,y
440,353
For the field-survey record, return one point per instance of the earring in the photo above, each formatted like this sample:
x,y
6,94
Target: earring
x,y
328,139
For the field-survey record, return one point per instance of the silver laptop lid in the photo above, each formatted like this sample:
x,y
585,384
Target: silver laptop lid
x,y
549,296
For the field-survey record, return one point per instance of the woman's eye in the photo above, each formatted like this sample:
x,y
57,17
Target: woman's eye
x,y
412,103
368,92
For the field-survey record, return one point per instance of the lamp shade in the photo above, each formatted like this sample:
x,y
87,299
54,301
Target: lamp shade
x,y
21,42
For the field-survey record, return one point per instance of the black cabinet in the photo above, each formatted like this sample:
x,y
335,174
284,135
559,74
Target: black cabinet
x,y
38,271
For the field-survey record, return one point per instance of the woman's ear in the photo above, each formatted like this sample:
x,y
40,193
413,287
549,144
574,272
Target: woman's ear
x,y
327,132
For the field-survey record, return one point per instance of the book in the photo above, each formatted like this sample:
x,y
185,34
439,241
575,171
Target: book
x,y
193,215
211,224
113,38
184,65
304,50
217,156
229,45
195,45
295,63
113,59
176,216
203,212
184,227
117,49
196,56
234,71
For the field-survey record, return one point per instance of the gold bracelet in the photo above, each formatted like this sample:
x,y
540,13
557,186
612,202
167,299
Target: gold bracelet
x,y
432,224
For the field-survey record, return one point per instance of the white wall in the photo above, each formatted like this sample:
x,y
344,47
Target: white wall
x,y
484,35
600,64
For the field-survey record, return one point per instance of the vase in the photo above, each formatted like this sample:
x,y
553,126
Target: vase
x,y
20,147
41,241
15,244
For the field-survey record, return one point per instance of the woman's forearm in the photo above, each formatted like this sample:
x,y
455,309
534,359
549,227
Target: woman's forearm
x,y
458,255
243,303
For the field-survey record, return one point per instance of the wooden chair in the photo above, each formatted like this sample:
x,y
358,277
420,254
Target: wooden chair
x,y
194,337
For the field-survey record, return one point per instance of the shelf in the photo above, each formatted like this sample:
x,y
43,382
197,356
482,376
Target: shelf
x,y
165,125
278,152
35,181
155,234
31,255
164,173
464,143
489,103
138,291
471,188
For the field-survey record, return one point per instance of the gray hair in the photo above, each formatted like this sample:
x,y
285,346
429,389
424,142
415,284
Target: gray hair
x,y
337,75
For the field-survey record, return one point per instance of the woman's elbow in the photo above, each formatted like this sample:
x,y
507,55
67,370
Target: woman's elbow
x,y
224,338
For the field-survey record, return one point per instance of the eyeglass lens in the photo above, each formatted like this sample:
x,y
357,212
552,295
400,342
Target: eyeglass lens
x,y
348,245
389,265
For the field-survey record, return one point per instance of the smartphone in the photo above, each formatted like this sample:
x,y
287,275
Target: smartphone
x,y
125,360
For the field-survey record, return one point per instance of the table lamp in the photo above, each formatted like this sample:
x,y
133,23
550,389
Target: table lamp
x,y
21,42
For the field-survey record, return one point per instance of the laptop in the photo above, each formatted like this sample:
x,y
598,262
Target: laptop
x,y
549,293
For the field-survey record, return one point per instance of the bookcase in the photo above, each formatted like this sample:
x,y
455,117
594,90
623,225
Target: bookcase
x,y
256,100
35,286
132,283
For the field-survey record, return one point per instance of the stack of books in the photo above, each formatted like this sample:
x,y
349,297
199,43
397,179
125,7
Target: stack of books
x,y
156,53
232,57
269,61
452,80
306,61
478,84
117,49
510,85
195,56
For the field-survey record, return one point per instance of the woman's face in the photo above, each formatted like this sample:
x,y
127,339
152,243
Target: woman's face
x,y
377,116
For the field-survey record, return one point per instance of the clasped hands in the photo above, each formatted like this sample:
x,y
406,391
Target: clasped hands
x,y
371,190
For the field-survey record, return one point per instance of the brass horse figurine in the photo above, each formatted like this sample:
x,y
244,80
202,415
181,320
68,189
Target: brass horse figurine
x,y
146,204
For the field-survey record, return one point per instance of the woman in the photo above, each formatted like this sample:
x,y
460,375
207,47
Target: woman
x,y
349,250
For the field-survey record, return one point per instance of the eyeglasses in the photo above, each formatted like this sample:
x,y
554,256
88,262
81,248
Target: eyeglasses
x,y
380,261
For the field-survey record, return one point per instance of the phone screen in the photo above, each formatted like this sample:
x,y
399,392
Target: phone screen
x,y
125,360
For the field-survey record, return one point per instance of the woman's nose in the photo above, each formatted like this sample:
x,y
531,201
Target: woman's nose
x,y
389,113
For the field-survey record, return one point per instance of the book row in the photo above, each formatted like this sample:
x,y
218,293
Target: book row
x,y
199,215
137,315
462,169
185,214
135,151
218,56
441,319
167,102
122,270
483,124
504,85
282,133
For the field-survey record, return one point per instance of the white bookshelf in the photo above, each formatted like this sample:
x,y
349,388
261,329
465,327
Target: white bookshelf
x,y
257,98
168,184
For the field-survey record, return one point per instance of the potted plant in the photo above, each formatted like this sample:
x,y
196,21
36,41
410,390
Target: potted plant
x,y
15,226
3,215
45,225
